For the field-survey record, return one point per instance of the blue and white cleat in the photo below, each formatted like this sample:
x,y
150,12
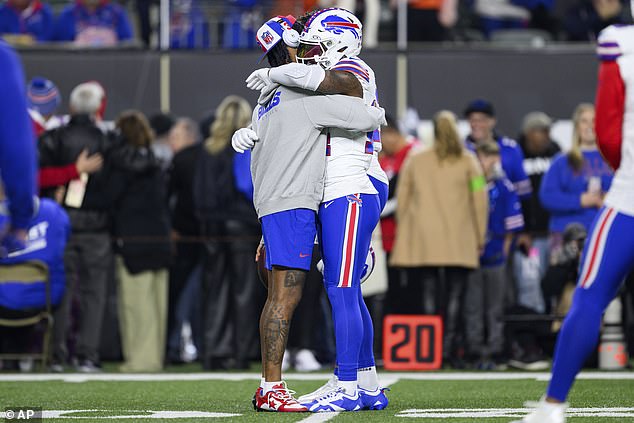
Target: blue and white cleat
x,y
335,400
373,400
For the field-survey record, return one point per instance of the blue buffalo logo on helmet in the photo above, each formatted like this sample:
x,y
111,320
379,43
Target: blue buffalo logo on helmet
x,y
338,25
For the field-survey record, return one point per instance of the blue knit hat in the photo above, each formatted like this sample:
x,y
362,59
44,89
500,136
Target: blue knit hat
x,y
43,96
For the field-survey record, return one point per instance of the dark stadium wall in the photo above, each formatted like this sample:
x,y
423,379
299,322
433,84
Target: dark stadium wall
x,y
553,80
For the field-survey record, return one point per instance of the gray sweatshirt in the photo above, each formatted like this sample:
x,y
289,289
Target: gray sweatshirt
x,y
288,162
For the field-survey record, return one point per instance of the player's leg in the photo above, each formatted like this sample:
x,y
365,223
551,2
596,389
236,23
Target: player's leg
x,y
607,260
608,257
289,238
368,381
346,230
370,391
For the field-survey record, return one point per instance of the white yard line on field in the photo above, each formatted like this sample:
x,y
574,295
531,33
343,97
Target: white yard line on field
x,y
319,417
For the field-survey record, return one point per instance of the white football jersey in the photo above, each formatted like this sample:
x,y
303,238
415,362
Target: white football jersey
x,y
616,43
350,160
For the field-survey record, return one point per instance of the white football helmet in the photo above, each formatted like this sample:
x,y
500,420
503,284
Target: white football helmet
x,y
330,35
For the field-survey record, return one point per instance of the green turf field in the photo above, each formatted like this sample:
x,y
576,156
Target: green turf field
x,y
195,397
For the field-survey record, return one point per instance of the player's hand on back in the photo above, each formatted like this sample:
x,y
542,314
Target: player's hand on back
x,y
259,79
244,139
88,164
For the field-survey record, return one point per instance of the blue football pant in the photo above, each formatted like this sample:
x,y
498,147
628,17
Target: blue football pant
x,y
345,231
607,259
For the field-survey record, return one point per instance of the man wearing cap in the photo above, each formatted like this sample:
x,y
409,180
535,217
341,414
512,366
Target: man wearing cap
x,y
481,116
288,166
608,256
26,21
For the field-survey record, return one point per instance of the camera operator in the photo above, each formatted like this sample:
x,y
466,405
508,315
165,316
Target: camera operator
x,y
559,281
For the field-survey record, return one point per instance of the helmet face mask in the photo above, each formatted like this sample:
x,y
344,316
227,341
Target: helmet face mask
x,y
309,52
329,36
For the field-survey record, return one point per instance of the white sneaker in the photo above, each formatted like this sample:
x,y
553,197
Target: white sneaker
x,y
286,361
26,365
546,412
324,389
337,399
305,361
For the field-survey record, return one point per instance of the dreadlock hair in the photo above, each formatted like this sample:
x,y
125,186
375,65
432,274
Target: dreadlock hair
x,y
278,55
301,21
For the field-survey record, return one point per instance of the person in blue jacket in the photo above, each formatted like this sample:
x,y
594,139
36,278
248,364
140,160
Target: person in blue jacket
x,y
48,231
93,23
29,18
17,152
573,188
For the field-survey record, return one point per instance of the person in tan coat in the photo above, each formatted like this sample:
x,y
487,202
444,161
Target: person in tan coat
x,y
442,215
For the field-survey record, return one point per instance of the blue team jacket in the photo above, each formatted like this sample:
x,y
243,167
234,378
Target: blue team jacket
x,y
505,215
561,189
37,20
75,17
48,232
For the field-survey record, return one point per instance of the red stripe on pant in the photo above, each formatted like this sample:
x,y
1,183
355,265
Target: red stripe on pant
x,y
595,247
348,257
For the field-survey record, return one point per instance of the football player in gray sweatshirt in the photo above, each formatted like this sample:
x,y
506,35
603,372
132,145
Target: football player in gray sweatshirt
x,y
288,165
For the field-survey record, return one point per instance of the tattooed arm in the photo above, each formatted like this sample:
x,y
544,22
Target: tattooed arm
x,y
340,82
308,77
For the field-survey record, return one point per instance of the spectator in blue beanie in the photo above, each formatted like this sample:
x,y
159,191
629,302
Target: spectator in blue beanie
x,y
43,99
27,21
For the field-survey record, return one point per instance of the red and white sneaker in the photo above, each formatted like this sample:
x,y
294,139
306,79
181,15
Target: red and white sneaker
x,y
279,399
257,397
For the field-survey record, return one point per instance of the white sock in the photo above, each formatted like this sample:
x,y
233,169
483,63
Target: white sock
x,y
368,378
262,381
350,386
268,386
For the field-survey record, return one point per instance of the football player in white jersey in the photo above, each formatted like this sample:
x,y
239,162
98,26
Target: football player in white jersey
x,y
332,40
609,253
